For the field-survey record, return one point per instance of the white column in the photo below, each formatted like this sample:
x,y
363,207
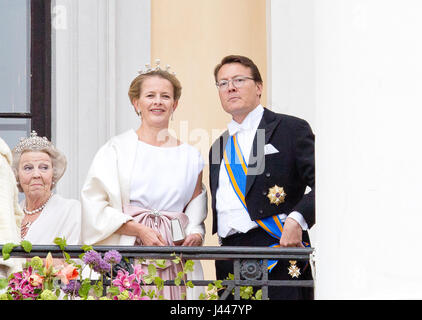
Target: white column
x,y
291,76
369,155
358,63
98,47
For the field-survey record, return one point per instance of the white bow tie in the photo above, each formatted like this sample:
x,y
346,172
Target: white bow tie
x,y
235,127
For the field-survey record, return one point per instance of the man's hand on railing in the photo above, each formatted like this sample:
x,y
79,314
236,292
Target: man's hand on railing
x,y
292,234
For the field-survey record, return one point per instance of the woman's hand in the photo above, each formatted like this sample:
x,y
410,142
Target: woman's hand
x,y
150,237
192,240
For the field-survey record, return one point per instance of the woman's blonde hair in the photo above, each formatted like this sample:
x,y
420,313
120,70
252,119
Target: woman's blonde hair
x,y
136,85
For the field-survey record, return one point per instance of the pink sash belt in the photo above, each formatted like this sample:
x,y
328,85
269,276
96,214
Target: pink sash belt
x,y
160,221
156,220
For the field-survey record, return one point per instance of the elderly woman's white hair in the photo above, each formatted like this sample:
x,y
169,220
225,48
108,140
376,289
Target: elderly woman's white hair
x,y
38,144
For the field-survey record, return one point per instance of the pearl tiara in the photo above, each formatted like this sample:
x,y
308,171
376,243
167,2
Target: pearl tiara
x,y
149,69
32,143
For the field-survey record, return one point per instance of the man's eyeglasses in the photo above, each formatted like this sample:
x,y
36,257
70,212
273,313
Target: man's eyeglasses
x,y
237,82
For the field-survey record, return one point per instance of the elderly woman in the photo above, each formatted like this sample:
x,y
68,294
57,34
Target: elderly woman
x,y
10,212
38,166
140,182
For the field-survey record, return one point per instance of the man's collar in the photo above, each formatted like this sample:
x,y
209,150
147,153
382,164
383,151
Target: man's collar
x,y
248,123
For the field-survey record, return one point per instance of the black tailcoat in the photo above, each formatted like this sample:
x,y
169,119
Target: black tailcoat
x,y
292,168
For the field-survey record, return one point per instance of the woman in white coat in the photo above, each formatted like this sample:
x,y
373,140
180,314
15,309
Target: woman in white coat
x,y
38,166
141,180
10,212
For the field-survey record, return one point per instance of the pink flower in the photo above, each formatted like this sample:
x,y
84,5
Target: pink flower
x,y
36,280
68,273
123,280
138,272
49,261
21,287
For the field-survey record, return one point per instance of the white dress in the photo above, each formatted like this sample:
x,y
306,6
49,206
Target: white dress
x,y
164,178
60,218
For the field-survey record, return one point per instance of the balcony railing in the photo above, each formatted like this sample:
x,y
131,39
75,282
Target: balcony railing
x,y
250,263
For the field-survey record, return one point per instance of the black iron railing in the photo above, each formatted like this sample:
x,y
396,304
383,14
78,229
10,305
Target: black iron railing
x,y
250,263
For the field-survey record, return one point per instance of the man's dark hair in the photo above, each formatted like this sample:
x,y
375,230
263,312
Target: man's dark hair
x,y
245,61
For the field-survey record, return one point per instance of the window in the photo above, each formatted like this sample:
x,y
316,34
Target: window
x,y
25,69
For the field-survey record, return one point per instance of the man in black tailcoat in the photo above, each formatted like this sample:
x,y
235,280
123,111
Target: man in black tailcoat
x,y
279,152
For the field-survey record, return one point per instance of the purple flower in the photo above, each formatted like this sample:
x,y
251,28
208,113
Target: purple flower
x,y
112,257
102,267
92,258
72,288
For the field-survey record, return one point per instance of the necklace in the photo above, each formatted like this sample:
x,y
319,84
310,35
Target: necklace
x,y
38,209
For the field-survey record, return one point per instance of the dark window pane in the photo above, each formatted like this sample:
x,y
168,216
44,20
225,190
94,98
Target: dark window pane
x,y
11,130
15,68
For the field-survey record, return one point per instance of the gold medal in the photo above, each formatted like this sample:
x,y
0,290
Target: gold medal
x,y
294,270
276,195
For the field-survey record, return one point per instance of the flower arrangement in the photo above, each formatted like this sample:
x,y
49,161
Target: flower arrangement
x,y
53,279
37,280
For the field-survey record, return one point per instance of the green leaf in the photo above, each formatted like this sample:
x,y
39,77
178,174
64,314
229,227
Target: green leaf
x,y
213,296
246,292
148,279
177,259
3,283
190,284
98,289
114,291
61,242
67,258
189,266
159,283
7,249
86,248
84,289
26,245
161,263
258,295
152,270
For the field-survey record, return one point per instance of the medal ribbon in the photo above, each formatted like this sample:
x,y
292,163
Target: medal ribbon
x,y
237,170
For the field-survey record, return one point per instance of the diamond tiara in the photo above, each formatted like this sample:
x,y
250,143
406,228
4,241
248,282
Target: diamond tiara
x,y
32,143
149,69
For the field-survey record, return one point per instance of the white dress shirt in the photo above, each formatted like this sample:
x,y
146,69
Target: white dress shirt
x,y
232,216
